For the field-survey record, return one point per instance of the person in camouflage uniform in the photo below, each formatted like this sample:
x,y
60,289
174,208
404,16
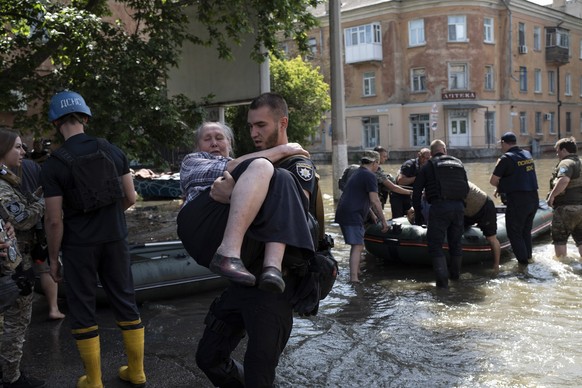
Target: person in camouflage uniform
x,y
24,215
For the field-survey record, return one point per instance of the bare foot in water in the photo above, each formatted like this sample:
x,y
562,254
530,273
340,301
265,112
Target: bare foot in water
x,y
55,316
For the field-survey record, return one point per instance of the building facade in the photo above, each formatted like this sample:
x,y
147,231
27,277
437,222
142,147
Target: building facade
x,y
461,71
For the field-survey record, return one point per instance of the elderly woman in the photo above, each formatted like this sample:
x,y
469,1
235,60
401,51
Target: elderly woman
x,y
213,232
24,215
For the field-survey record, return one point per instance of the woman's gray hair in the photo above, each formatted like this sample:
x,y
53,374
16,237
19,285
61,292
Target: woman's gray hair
x,y
223,127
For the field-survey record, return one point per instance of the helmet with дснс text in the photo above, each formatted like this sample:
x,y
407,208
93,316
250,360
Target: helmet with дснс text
x,y
67,102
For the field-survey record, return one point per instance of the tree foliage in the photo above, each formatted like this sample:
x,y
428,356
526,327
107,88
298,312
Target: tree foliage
x,y
120,66
307,96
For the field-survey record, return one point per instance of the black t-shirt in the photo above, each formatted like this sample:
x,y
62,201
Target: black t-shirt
x,y
102,225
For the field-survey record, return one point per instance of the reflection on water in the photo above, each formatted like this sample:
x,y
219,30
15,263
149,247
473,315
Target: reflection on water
x,y
396,329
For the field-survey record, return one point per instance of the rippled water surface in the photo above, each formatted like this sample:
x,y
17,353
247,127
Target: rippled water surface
x,y
395,329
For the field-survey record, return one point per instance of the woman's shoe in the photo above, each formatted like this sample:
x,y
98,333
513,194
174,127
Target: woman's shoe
x,y
271,280
232,268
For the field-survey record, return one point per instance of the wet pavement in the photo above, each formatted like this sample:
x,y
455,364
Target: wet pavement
x,y
173,328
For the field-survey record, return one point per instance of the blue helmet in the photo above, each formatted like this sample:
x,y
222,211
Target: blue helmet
x,y
64,103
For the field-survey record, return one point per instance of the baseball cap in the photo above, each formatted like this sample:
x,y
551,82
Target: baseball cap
x,y
370,157
508,137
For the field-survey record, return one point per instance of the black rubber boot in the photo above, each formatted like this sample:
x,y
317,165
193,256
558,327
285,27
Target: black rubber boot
x,y
455,267
439,265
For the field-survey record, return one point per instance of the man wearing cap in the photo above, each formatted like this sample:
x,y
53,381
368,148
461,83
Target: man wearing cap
x,y
515,178
444,183
360,195
93,241
566,197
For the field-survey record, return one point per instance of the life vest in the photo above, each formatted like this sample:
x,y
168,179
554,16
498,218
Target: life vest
x,y
524,176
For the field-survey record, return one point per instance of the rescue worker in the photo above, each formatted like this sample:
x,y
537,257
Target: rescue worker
x,y
24,214
93,243
566,197
399,203
444,182
515,179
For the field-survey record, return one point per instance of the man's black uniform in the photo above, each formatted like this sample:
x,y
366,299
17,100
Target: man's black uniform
x,y
400,203
445,213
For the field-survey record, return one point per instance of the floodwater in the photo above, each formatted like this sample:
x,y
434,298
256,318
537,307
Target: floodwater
x,y
395,329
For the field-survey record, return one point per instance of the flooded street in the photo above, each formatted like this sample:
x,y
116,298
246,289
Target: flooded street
x,y
394,330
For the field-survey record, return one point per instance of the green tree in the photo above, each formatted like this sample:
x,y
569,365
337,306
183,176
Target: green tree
x,y
307,96
121,67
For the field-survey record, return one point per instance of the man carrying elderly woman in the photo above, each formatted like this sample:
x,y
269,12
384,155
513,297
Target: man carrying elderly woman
x,y
213,232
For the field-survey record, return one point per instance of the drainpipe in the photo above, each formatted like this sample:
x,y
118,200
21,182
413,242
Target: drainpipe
x,y
510,41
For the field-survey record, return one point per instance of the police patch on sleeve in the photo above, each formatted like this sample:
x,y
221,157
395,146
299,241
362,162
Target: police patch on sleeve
x,y
304,171
562,170
16,210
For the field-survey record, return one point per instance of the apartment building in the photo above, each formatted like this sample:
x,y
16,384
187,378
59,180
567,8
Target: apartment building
x,y
461,71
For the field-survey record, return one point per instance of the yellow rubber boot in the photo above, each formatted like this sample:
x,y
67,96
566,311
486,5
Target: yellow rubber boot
x,y
133,341
90,352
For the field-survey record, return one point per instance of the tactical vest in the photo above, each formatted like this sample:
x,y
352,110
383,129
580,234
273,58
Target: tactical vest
x,y
451,179
573,193
524,176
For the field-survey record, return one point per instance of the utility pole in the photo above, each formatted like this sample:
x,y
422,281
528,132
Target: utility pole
x,y
339,147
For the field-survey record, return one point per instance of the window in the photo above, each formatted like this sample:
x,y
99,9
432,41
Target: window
x,y
538,123
458,76
488,84
522,123
557,37
568,80
419,125
312,44
551,82
551,116
537,44
569,122
457,28
521,34
537,81
370,84
416,32
370,131
522,79
418,81
370,33
488,30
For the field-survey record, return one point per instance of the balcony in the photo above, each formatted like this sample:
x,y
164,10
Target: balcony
x,y
557,55
364,52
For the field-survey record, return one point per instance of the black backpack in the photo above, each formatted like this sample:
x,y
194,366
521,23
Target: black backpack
x,y
96,181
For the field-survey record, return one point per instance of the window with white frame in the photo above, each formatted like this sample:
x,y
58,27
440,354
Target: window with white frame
x,y
312,43
418,80
523,79
551,82
457,28
569,122
538,123
568,81
488,83
458,76
521,34
552,126
522,123
537,36
369,84
416,32
369,33
557,36
488,36
537,81
370,131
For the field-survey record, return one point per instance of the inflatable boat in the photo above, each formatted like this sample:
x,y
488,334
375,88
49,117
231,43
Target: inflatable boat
x,y
406,243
